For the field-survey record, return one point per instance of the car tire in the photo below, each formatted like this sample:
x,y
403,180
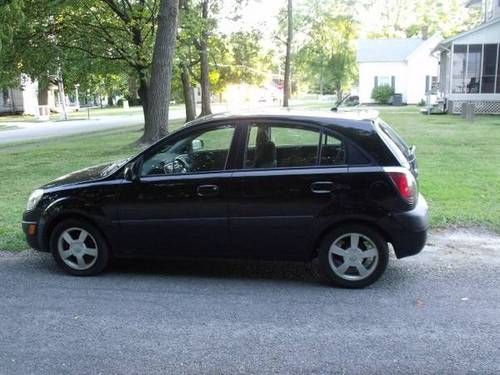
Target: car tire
x,y
79,248
353,256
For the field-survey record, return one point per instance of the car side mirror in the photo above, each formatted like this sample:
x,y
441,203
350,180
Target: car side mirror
x,y
131,172
197,144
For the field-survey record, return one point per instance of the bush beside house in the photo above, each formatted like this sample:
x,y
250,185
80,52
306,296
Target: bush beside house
x,y
382,94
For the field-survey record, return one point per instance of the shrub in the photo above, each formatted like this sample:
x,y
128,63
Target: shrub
x,y
382,94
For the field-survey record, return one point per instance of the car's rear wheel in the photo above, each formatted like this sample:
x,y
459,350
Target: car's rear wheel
x,y
353,256
79,248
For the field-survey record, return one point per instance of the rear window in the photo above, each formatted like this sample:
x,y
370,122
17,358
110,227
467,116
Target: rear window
x,y
395,138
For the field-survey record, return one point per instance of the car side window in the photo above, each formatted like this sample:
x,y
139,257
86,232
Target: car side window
x,y
332,151
281,146
203,151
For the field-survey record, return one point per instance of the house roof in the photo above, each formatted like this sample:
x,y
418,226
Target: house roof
x,y
446,43
473,3
386,50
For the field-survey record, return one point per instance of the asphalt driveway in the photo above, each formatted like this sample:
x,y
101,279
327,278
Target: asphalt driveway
x,y
437,312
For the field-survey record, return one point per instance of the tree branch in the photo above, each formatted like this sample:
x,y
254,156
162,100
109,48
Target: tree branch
x,y
116,9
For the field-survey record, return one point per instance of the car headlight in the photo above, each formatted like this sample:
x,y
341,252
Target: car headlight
x,y
34,199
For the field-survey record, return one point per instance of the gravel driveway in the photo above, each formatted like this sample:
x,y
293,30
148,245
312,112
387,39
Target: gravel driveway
x,y
437,312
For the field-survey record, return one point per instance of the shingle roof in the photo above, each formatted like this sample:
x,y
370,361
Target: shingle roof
x,y
386,50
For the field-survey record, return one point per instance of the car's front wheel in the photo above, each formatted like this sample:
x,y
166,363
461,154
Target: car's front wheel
x,y
353,256
79,248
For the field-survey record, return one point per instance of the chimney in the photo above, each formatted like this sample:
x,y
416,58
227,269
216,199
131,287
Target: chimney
x,y
425,32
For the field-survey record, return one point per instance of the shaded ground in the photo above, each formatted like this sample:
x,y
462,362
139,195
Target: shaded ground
x,y
438,312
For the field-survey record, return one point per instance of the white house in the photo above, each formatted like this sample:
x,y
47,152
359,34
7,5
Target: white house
x,y
21,99
27,99
470,64
405,64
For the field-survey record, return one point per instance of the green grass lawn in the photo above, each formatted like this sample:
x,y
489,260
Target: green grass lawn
x,y
7,127
459,166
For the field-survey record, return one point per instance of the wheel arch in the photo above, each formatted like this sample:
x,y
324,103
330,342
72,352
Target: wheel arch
x,y
68,215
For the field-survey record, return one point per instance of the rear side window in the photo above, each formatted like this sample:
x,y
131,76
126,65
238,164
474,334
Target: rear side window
x,y
281,146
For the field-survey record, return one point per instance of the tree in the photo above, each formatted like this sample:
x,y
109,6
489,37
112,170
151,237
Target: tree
x,y
288,55
328,57
161,72
409,18
69,34
187,58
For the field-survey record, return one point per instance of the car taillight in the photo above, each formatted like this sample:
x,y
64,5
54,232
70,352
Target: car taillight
x,y
406,185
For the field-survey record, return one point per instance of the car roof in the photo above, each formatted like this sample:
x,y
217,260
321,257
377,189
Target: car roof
x,y
360,119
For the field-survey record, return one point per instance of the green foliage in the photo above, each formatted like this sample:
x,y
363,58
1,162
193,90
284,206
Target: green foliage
x,y
327,60
96,46
382,94
409,18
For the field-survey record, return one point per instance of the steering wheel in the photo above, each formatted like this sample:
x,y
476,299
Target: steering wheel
x,y
177,166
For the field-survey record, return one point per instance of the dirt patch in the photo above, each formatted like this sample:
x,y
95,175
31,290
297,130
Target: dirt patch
x,y
473,243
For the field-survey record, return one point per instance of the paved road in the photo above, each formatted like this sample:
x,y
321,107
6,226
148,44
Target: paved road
x,y
438,312
26,131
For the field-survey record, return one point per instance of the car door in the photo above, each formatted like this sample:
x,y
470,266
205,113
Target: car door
x,y
292,175
179,206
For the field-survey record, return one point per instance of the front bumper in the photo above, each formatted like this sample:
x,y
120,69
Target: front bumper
x,y
30,229
408,230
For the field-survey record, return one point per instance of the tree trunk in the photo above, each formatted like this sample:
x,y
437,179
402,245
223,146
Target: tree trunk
x,y
143,94
188,93
339,90
288,58
206,108
156,125
321,84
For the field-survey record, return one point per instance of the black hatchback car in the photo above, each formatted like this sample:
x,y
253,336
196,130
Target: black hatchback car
x,y
283,186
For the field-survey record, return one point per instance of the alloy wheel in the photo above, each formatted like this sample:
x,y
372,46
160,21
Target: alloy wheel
x,y
77,248
353,256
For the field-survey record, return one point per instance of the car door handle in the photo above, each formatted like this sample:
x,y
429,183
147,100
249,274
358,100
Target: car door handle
x,y
207,190
322,187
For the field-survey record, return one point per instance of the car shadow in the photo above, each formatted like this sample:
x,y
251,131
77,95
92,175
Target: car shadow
x,y
218,268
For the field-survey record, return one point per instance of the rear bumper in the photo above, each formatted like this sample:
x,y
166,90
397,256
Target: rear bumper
x,y
408,230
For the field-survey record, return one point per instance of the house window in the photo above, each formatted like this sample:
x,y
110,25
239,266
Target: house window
x,y
384,80
459,64
498,71
489,68
5,96
475,69
431,83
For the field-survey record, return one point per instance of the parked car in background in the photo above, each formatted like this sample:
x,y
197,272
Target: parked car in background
x,y
348,101
282,186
